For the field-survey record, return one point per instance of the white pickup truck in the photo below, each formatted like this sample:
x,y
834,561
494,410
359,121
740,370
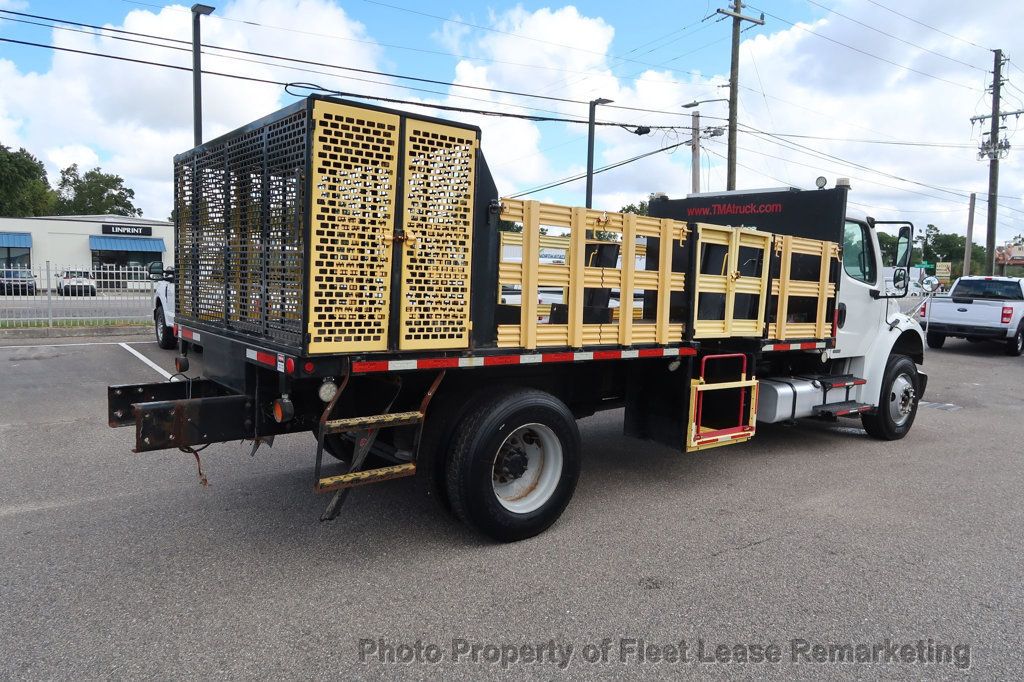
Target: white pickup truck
x,y
978,309
163,305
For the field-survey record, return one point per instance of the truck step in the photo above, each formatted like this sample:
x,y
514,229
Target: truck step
x,y
835,380
373,421
843,409
365,477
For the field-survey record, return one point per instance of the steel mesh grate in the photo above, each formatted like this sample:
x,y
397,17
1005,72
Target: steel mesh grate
x,y
239,232
438,222
354,162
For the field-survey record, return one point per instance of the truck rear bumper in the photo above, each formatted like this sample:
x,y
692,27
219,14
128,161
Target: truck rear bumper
x,y
965,330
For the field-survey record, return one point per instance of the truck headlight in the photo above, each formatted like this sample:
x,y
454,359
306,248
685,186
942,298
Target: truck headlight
x,y
327,390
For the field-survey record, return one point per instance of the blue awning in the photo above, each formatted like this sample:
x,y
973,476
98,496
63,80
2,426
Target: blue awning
x,y
17,240
102,243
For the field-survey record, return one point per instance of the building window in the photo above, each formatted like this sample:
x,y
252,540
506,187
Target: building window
x,y
15,257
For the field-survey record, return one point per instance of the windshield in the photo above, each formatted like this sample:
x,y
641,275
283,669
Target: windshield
x,y
77,273
18,274
988,288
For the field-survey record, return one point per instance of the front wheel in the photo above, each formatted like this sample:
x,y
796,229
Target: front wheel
x,y
1015,346
514,464
897,404
164,335
936,340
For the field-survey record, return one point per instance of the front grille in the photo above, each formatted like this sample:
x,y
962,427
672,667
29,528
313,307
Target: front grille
x,y
239,230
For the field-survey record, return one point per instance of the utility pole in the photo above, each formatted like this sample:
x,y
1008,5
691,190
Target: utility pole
x,y
590,148
734,77
695,152
970,237
198,11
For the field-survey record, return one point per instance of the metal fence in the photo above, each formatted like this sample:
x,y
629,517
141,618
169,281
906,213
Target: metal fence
x,y
74,296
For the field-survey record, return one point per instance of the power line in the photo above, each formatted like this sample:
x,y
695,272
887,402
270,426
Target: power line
x,y
889,35
865,52
314,87
617,164
327,65
250,22
921,23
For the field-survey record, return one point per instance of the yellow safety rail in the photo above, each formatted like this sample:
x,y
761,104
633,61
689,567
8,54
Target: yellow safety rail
x,y
785,288
575,275
732,278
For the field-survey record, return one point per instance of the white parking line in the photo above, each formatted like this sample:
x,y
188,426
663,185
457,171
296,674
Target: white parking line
x,y
140,356
61,345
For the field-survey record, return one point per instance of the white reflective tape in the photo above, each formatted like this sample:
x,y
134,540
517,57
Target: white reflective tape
x,y
394,365
529,359
671,351
250,353
196,337
583,356
630,354
471,362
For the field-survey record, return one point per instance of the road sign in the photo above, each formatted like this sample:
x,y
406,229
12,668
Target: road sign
x,y
944,272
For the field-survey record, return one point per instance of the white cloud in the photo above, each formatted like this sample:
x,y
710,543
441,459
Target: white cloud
x,y
133,118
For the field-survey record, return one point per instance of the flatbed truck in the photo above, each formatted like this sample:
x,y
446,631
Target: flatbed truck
x,y
352,272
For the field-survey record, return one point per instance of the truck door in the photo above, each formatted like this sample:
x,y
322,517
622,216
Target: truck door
x,y
859,314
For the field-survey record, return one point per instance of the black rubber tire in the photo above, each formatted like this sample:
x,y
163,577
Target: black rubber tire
x,y
67,291
164,334
1015,346
936,340
92,292
477,439
879,424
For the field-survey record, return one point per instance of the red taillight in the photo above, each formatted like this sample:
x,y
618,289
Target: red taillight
x,y
289,365
923,306
1007,314
308,367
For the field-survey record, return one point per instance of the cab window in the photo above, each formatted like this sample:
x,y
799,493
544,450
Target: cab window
x,y
858,256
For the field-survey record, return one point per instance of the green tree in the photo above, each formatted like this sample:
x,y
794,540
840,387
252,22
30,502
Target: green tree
x,y
640,207
24,190
94,193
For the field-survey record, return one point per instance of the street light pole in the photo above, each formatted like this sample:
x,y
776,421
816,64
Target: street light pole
x,y
695,155
198,11
590,149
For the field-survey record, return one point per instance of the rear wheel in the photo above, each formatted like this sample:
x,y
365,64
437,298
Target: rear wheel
x,y
936,340
1015,346
514,464
897,404
164,334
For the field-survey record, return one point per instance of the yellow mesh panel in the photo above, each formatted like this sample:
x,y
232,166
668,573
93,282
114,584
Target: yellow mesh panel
x,y
438,223
354,161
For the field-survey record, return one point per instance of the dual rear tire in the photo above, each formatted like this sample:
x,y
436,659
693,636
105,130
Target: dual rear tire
x,y
513,464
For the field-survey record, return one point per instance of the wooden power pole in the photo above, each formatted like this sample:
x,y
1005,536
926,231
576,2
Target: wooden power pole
x,y
736,12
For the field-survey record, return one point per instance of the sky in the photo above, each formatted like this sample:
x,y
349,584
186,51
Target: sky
x,y
878,91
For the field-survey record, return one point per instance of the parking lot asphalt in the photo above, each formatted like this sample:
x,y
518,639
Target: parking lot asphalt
x,y
115,565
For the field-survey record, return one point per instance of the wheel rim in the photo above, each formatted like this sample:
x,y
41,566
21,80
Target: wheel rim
x,y
160,327
527,468
1020,341
901,399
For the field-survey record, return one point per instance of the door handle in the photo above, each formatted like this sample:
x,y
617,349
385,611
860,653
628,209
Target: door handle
x,y
842,315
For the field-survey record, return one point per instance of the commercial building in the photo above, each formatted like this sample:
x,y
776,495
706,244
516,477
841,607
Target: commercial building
x,y
102,243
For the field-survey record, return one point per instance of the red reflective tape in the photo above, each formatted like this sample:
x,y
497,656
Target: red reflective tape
x,y
501,360
782,346
652,352
370,366
435,363
558,357
607,354
266,358
186,333
808,346
687,351
739,435
174,329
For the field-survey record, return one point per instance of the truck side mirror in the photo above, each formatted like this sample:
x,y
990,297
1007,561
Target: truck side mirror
x,y
931,284
156,270
903,246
